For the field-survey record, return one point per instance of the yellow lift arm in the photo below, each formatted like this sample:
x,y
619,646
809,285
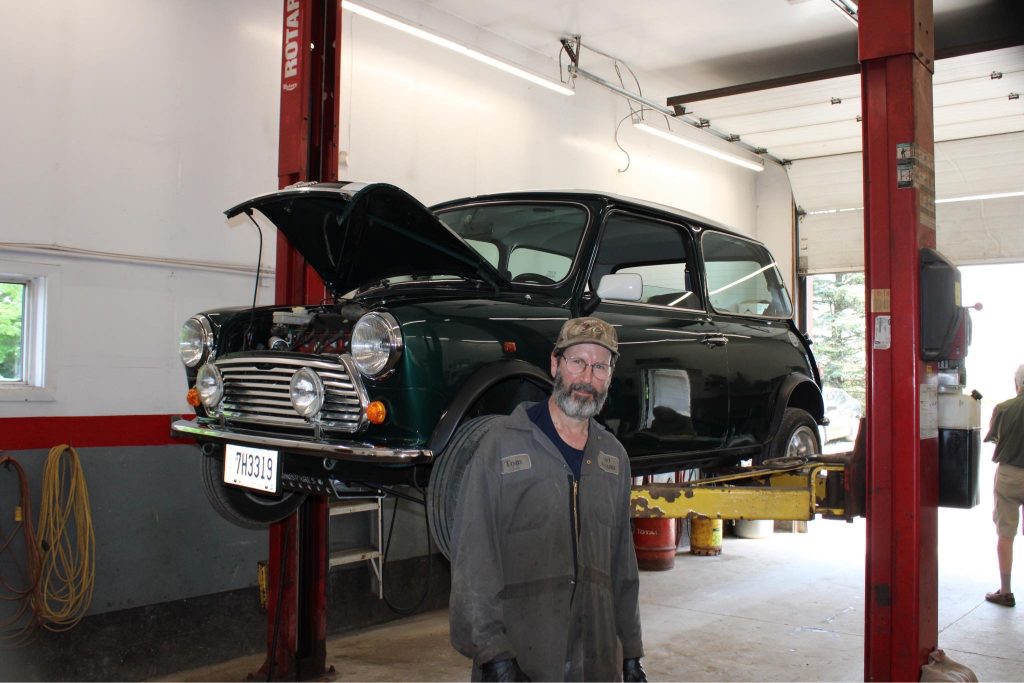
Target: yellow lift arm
x,y
787,489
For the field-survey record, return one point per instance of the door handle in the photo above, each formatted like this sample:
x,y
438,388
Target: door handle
x,y
710,340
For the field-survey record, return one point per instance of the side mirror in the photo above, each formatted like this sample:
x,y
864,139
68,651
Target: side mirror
x,y
621,287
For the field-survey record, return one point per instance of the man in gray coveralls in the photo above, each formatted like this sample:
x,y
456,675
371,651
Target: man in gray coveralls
x,y
544,577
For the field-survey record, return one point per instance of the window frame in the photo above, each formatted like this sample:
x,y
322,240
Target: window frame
x,y
690,261
773,265
40,281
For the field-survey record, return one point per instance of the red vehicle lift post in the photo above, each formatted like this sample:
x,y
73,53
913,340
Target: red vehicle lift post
x,y
307,150
896,47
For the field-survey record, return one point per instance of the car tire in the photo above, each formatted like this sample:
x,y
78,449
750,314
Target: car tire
x,y
242,508
797,437
446,478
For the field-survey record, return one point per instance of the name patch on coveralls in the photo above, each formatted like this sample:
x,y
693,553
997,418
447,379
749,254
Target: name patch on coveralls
x,y
514,463
608,463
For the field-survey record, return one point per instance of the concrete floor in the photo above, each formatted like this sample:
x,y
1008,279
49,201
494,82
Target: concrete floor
x,y
789,607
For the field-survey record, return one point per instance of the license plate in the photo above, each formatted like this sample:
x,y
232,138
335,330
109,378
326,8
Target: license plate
x,y
252,468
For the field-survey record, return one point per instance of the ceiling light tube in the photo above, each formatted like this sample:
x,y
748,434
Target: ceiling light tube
x,y
847,9
700,147
423,34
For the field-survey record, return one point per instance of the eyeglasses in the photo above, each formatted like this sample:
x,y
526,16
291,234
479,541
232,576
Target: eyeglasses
x,y
577,366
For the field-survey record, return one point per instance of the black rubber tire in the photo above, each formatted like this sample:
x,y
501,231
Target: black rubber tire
x,y
798,436
446,478
240,507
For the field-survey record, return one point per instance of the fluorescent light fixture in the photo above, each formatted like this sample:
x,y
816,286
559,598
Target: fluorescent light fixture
x,y
847,8
975,197
423,34
700,147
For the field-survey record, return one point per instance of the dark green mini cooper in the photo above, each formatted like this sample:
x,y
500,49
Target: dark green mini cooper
x,y
440,317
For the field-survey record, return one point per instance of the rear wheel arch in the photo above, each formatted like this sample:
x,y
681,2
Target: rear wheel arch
x,y
799,409
798,391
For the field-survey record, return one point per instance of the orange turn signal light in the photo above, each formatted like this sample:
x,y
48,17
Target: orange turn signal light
x,y
376,412
193,397
508,347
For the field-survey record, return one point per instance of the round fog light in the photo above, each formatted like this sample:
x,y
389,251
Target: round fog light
x,y
210,386
307,392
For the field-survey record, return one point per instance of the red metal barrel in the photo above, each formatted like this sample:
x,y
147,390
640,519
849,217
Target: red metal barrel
x,y
655,543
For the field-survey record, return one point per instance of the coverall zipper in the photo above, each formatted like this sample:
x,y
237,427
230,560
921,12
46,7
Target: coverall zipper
x,y
574,517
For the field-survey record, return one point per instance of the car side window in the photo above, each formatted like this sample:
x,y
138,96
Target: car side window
x,y
742,277
654,250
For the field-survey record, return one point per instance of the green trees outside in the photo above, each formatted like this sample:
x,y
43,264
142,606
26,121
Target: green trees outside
x,y
838,331
12,317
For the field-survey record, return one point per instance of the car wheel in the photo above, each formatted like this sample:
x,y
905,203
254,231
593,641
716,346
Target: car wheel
x,y
248,510
446,478
797,436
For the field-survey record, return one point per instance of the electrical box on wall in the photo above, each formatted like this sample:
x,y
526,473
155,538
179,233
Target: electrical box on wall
x,y
943,319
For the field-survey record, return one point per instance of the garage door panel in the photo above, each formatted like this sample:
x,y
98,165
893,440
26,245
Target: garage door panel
x,y
967,232
831,243
986,231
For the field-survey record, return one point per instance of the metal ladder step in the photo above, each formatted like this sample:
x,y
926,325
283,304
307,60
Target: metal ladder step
x,y
349,555
373,554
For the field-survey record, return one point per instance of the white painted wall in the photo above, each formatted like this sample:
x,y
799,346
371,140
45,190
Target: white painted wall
x,y
442,126
130,125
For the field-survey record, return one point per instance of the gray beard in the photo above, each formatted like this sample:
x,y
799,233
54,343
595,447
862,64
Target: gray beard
x,y
578,408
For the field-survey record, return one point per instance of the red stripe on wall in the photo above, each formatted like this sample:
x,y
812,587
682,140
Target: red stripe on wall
x,y
24,433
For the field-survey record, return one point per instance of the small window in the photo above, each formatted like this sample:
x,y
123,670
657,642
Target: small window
x,y
12,331
24,316
742,277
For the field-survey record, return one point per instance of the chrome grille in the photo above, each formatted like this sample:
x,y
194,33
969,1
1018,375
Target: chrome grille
x,y
256,392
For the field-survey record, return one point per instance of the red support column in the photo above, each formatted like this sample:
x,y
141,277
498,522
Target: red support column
x,y
308,150
901,578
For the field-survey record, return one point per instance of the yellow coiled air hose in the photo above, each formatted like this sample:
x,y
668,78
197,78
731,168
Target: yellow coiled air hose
x,y
66,543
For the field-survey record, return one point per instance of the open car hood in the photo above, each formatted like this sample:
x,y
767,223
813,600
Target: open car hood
x,y
355,234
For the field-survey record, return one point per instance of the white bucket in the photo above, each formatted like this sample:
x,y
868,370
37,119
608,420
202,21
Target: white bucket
x,y
754,528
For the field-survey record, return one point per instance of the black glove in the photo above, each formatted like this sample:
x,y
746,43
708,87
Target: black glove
x,y
504,670
633,671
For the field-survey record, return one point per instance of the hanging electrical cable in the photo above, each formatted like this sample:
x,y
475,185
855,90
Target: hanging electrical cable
x,y
66,543
411,609
17,629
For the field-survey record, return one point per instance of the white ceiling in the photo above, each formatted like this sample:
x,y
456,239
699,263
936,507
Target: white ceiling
x,y
682,47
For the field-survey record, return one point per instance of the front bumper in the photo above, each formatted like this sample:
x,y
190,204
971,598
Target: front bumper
x,y
339,450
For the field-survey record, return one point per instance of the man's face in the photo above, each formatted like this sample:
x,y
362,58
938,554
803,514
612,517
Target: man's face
x,y
580,389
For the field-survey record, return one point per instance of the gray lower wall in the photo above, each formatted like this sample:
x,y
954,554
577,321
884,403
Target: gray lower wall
x,y
175,583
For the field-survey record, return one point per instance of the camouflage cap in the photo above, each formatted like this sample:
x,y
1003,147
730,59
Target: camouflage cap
x,y
587,331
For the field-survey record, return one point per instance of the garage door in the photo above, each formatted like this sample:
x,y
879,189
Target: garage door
x,y
969,229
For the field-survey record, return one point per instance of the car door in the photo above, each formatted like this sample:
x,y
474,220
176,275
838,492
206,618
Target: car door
x,y
669,395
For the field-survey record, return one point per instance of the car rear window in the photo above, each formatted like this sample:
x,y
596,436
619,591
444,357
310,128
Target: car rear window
x,y
742,277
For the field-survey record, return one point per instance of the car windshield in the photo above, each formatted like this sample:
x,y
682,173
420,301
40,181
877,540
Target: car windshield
x,y
528,242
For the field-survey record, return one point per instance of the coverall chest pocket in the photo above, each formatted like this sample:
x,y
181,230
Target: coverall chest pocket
x,y
530,502
599,497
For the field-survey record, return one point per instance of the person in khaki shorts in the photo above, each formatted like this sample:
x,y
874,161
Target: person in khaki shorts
x,y
1007,432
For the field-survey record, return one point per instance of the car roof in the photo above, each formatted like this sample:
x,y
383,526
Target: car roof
x,y
608,198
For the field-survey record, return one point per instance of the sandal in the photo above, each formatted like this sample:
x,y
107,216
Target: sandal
x,y
1001,598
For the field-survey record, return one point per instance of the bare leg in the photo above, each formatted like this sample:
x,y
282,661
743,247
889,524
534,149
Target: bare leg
x,y
1004,550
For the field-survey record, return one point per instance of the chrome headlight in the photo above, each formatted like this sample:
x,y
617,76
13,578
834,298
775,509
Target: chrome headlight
x,y
307,392
376,344
195,341
210,386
